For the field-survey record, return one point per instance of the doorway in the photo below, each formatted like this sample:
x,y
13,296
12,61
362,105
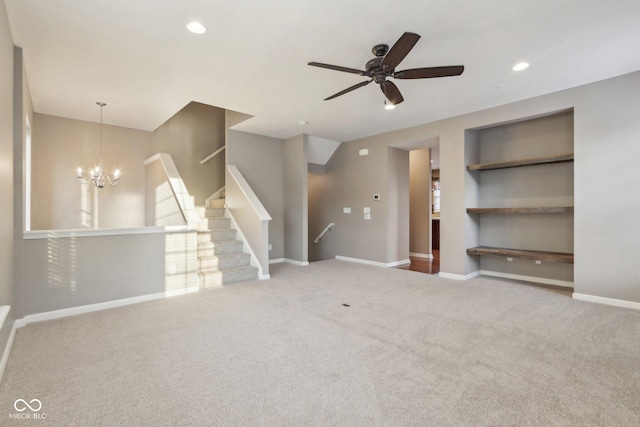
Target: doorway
x,y
424,210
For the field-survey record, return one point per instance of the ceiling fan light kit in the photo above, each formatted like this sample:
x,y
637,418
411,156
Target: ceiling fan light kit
x,y
383,66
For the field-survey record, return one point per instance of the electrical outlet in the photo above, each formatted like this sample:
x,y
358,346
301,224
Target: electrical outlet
x,y
538,262
509,259
270,246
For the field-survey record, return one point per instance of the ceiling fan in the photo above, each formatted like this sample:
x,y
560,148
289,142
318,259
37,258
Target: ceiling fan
x,y
383,66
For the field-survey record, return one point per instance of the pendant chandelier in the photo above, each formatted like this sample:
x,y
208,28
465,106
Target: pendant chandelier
x,y
96,175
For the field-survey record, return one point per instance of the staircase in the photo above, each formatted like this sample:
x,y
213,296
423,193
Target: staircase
x,y
221,260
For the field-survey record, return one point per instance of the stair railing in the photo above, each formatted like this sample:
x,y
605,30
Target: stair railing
x,y
251,217
212,155
325,231
179,191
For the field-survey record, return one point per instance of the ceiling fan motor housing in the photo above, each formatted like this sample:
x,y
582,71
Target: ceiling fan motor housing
x,y
372,66
380,50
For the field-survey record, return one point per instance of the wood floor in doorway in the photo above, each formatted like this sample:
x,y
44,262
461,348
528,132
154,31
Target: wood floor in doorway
x,y
424,265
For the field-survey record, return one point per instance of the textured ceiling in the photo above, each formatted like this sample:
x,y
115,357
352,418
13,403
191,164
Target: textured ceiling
x,y
139,57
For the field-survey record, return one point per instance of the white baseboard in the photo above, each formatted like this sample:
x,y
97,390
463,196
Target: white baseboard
x,y
264,277
397,263
419,255
375,263
543,280
4,312
296,262
276,260
66,312
607,301
459,276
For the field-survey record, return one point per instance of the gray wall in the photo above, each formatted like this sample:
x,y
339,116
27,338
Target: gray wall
x,y
260,160
420,201
397,205
296,204
351,181
59,201
189,136
606,229
6,176
127,266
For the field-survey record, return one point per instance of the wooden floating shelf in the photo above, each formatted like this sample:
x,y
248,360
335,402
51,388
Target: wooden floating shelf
x,y
562,257
555,209
524,162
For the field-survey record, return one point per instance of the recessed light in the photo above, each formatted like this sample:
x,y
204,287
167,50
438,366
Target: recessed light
x,y
520,66
196,27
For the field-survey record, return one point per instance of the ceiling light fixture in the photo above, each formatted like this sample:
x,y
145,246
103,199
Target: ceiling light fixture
x,y
196,28
520,66
388,105
96,174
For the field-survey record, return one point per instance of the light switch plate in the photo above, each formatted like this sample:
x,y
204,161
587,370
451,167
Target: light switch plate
x,y
346,210
366,210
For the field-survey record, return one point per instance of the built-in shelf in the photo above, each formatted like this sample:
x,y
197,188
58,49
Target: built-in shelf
x,y
523,162
531,210
562,257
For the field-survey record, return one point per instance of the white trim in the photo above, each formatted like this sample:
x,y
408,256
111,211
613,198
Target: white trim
x,y
374,263
253,200
276,261
296,262
151,159
212,155
360,261
543,280
608,301
419,255
400,262
264,276
93,232
459,276
66,312
7,350
4,312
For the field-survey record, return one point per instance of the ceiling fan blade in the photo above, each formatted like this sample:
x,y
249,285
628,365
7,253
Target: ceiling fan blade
x,y
392,92
428,73
336,68
399,50
349,89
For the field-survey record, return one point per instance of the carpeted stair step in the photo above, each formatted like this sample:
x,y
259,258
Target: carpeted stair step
x,y
223,234
219,223
214,212
238,259
227,246
219,247
226,276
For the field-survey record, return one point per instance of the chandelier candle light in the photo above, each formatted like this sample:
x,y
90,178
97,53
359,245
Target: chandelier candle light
x,y
96,174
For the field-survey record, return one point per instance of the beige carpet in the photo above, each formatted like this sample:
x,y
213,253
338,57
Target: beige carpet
x,y
411,350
